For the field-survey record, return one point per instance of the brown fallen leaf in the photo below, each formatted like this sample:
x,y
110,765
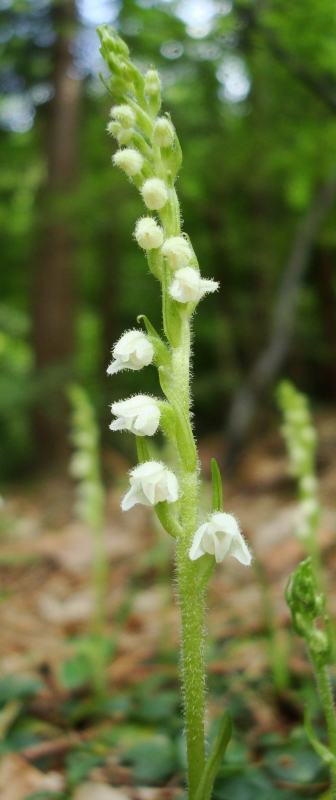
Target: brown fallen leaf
x,y
18,779
98,791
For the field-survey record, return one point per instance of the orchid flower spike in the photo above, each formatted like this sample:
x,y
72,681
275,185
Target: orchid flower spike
x,y
188,286
139,414
151,483
133,351
220,537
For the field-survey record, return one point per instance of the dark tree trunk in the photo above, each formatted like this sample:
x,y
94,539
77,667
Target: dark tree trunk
x,y
325,276
53,291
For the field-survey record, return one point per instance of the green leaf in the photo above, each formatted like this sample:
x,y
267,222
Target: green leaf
x,y
321,749
294,764
214,761
18,687
142,449
76,671
248,784
152,760
217,489
80,763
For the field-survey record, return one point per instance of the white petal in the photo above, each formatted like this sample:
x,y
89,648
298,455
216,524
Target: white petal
x,y
196,549
225,522
208,286
114,367
172,487
147,422
208,541
118,424
222,546
149,489
144,351
133,496
127,342
146,470
240,550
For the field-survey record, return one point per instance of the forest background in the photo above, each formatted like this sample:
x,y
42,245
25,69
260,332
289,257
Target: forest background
x,y
251,87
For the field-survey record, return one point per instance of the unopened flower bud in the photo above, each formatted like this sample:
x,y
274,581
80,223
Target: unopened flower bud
x,y
123,114
152,82
188,286
129,160
154,193
148,233
122,135
177,251
163,132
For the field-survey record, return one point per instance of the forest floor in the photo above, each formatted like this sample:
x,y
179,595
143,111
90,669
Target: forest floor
x,y
58,739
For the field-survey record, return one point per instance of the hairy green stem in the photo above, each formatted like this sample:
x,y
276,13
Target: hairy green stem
x,y
189,593
327,701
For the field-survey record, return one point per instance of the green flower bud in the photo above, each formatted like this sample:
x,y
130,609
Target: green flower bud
x,y
123,114
129,160
122,135
163,132
152,82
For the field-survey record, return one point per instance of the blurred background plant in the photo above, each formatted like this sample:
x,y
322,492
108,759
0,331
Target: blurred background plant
x,y
94,649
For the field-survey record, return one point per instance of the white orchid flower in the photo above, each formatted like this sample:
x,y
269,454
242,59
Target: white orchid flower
x,y
220,537
133,351
151,483
188,286
139,414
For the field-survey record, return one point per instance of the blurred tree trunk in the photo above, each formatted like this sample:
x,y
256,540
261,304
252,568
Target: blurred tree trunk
x,y
325,273
270,361
53,290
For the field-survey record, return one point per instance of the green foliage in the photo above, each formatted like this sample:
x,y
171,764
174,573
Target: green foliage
x,y
153,760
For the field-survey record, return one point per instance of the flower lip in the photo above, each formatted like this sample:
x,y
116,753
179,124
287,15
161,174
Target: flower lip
x,y
220,536
139,414
132,351
188,286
